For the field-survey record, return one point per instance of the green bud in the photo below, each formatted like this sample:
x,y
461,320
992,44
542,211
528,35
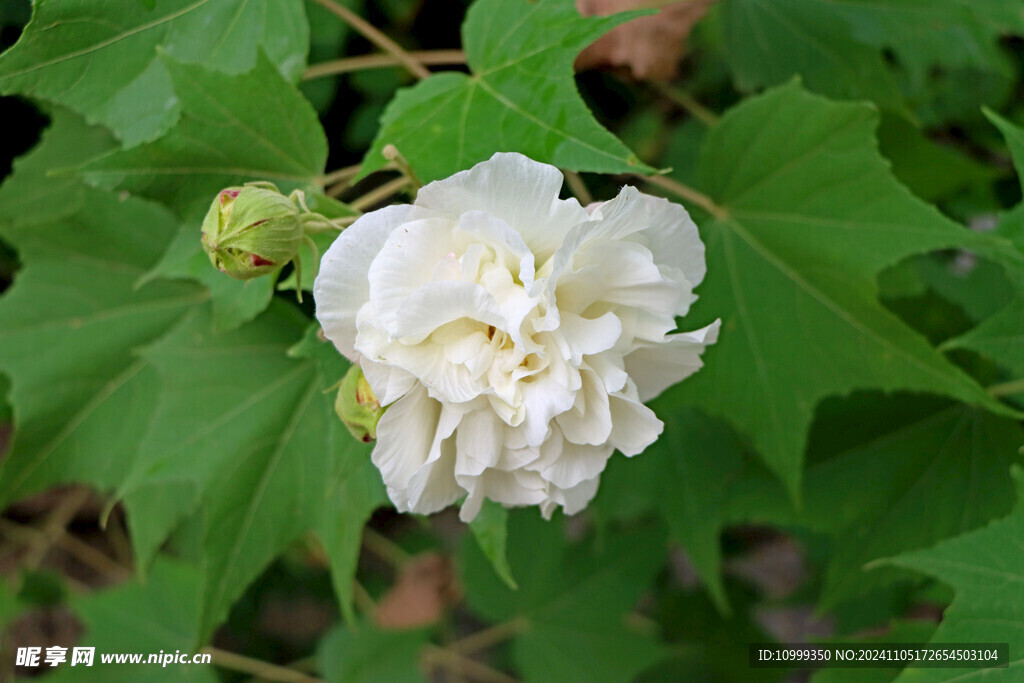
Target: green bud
x,y
252,230
357,405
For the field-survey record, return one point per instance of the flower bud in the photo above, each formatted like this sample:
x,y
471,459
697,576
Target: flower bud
x,y
252,230
357,406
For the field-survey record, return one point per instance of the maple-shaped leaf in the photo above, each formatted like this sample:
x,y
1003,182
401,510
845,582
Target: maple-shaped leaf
x,y
519,97
1001,337
808,215
100,58
72,321
249,126
986,569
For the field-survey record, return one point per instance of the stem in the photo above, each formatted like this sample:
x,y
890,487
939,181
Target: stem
x,y
1007,388
379,194
384,548
375,36
437,656
55,526
340,175
256,667
83,552
578,187
490,636
687,102
377,61
686,192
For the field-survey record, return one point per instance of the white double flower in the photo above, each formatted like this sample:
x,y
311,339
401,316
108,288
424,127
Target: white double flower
x,y
513,335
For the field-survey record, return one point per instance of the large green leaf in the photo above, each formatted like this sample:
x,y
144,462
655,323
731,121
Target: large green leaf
x,y
159,615
934,472
1001,337
371,655
836,45
251,126
247,433
74,317
571,600
923,33
770,41
100,59
986,568
520,97
809,214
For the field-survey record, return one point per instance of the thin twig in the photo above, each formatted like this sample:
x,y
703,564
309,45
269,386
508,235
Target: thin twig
x,y
437,656
379,194
81,551
687,102
578,187
378,61
375,36
340,175
265,670
1007,388
384,548
686,192
363,599
55,524
490,636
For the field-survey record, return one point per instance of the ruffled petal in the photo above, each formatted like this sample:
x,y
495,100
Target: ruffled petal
x,y
655,367
341,287
516,189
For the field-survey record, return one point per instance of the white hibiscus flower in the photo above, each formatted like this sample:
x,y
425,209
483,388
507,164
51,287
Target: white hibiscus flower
x,y
511,334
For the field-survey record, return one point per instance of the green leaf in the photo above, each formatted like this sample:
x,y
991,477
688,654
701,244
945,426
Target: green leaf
x,y
233,129
490,529
370,655
247,433
31,195
1001,337
927,477
809,215
520,97
986,568
931,171
74,317
923,33
161,614
819,47
569,609
699,459
896,634
100,59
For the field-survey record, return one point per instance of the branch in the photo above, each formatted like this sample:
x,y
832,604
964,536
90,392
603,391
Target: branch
x,y
377,61
375,36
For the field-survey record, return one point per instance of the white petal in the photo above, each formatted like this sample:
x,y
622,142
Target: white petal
x,y
577,464
407,259
478,442
634,425
589,421
433,487
389,383
516,189
341,287
507,488
583,336
405,434
543,399
572,500
655,367
437,303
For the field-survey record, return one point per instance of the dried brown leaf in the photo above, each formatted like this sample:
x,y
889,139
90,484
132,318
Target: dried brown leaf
x,y
650,46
